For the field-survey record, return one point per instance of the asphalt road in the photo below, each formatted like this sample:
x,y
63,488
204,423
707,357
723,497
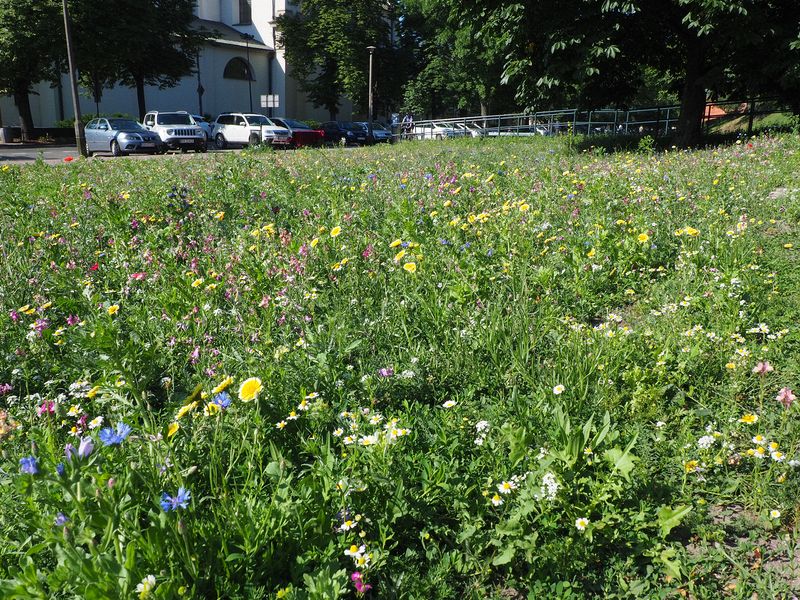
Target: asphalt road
x,y
20,154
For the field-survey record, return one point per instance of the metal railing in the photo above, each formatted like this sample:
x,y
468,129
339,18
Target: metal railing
x,y
656,121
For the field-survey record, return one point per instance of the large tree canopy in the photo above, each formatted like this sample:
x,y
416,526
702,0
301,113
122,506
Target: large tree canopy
x,y
31,43
597,51
325,44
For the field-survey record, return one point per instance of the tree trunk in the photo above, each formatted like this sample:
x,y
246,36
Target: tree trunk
x,y
140,97
23,102
484,108
693,98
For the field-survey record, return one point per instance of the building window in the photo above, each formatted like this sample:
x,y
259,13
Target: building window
x,y
245,13
238,68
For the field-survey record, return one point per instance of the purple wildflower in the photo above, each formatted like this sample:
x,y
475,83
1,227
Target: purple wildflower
x,y
28,465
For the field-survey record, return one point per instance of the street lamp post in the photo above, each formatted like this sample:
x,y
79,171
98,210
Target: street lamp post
x,y
247,37
369,120
73,82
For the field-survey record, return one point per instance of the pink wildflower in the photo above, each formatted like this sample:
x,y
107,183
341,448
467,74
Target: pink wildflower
x,y
47,407
786,397
359,584
762,368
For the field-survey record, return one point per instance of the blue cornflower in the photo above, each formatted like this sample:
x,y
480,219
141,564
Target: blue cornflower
x,y
29,465
404,244
61,519
223,400
111,437
179,500
60,468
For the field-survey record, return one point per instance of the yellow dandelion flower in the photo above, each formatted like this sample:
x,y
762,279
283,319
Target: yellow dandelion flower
x,y
749,419
398,257
113,309
643,237
410,267
93,392
395,243
185,409
336,231
223,385
250,389
173,429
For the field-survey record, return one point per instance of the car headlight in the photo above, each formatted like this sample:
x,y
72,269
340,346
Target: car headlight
x,y
170,131
349,133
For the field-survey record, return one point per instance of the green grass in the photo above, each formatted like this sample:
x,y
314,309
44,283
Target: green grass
x,y
496,368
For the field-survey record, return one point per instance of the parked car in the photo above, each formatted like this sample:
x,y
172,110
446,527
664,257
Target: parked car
x,y
204,124
243,129
300,133
120,137
438,131
177,130
337,132
379,132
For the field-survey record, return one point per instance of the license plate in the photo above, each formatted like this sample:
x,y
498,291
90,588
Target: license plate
x,y
147,145
187,141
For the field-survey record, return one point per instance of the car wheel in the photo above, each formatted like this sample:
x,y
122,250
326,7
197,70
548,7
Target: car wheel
x,y
220,142
253,139
115,149
201,147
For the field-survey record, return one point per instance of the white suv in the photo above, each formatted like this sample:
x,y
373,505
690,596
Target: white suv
x,y
177,129
243,129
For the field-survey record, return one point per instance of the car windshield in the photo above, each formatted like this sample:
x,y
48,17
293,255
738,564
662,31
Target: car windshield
x,y
174,119
352,126
124,125
296,124
259,120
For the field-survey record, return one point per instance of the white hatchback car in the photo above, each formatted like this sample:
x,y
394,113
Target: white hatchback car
x,y
242,129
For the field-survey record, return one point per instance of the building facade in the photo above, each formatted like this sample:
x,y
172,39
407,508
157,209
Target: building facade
x,y
236,67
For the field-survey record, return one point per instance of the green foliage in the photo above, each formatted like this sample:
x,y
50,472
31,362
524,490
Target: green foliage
x,y
31,44
325,41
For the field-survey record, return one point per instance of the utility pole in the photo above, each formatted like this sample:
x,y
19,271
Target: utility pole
x,y
369,119
73,79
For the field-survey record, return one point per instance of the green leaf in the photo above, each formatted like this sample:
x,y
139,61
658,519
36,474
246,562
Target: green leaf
x,y
505,556
671,517
621,460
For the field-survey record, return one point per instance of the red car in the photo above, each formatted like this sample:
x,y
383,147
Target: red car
x,y
301,134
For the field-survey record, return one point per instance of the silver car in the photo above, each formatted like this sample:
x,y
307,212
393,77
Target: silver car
x,y
120,137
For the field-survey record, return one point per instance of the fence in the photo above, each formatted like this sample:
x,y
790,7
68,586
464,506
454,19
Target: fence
x,y
656,121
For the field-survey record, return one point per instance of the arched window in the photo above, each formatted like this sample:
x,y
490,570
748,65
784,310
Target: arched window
x,y
238,68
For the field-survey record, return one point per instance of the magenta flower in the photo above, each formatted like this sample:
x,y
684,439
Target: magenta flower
x,y
386,372
359,584
786,397
762,368
46,407
73,320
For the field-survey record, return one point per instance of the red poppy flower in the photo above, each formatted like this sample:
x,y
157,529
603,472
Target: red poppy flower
x,y
68,159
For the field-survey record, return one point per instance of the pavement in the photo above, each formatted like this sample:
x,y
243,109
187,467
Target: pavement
x,y
55,153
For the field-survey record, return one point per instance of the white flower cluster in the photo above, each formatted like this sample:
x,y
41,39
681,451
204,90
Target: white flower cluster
x,y
481,427
549,487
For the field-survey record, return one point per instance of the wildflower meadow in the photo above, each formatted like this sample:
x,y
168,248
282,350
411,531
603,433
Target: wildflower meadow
x,y
510,369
